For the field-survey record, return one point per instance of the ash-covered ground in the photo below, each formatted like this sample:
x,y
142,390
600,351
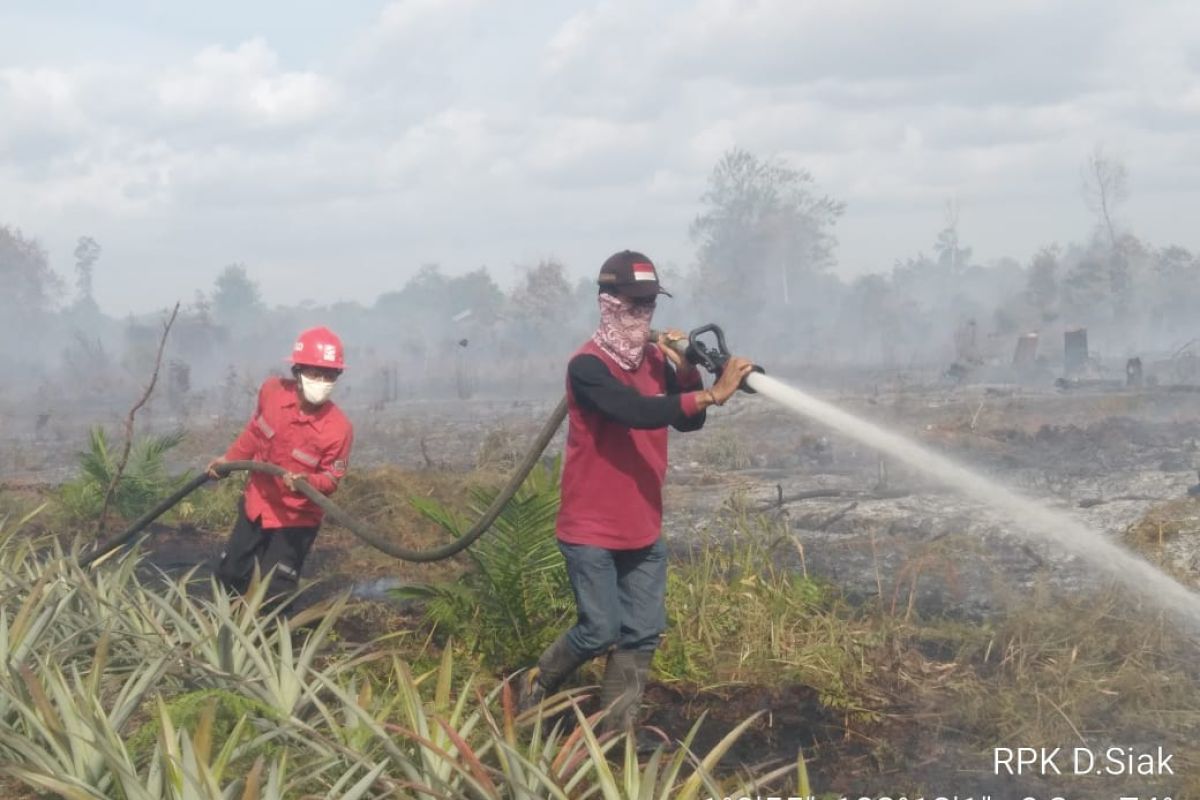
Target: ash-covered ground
x,y
876,529
1106,456
866,522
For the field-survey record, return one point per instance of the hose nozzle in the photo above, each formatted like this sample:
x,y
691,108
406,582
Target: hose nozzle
x,y
696,352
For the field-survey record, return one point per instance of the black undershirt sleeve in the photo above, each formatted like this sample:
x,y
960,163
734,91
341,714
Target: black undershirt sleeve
x,y
596,388
684,424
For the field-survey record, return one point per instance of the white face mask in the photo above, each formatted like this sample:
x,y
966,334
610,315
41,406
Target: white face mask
x,y
316,391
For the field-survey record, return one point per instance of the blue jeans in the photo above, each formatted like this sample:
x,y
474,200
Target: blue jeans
x,y
620,596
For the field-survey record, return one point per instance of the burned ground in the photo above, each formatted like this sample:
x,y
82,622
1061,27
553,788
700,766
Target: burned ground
x,y
1121,461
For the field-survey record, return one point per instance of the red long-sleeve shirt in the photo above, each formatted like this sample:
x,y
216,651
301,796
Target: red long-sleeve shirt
x,y
616,452
315,445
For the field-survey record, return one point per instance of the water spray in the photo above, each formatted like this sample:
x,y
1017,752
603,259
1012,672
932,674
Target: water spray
x,y
1031,519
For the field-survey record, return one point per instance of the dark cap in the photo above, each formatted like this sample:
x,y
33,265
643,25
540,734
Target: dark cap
x,y
630,274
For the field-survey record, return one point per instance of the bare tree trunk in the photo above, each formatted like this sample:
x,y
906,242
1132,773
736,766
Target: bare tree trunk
x,y
1111,188
116,478
1102,189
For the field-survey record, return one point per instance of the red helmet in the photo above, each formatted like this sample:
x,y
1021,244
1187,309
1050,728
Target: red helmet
x,y
319,347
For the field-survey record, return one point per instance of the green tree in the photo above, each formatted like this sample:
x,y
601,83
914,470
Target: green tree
x,y
425,288
423,297
30,286
952,258
143,483
763,231
1175,289
87,253
477,293
235,297
1041,286
517,598
543,303
437,298
874,307
1105,187
1085,288
939,283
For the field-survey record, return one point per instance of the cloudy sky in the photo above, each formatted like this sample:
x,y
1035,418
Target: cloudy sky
x,y
335,147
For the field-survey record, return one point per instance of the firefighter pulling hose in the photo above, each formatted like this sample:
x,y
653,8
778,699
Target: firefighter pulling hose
x,y
692,348
624,387
281,509
340,515
621,387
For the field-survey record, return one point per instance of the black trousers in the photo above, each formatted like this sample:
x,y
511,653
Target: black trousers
x,y
280,549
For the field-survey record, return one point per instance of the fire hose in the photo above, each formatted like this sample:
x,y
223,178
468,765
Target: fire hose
x,y
694,349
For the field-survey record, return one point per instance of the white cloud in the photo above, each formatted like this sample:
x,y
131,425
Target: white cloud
x,y
408,17
45,92
418,34
571,43
248,83
585,151
466,130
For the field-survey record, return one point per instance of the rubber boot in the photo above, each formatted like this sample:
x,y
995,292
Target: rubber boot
x,y
625,676
555,665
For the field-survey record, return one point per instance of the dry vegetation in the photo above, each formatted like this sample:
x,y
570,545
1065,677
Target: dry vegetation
x,y
877,689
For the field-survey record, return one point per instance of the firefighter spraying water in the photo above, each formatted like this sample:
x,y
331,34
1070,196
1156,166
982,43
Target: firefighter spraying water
x,y
625,386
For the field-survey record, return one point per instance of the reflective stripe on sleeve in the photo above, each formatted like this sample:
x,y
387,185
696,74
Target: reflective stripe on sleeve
x,y
305,458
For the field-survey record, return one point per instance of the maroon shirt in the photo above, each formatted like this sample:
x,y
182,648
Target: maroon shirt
x,y
616,451
315,445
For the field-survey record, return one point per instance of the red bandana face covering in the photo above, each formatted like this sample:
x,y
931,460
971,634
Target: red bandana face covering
x,y
624,331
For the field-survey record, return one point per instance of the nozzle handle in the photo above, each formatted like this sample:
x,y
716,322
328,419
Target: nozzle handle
x,y
712,360
696,352
678,345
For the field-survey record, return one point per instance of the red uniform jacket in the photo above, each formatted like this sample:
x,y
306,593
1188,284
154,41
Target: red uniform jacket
x,y
315,445
613,470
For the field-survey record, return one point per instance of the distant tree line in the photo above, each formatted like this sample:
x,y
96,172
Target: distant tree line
x,y
764,267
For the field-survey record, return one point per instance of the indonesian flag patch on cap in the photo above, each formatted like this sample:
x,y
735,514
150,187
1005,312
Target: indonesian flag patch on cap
x,y
630,273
